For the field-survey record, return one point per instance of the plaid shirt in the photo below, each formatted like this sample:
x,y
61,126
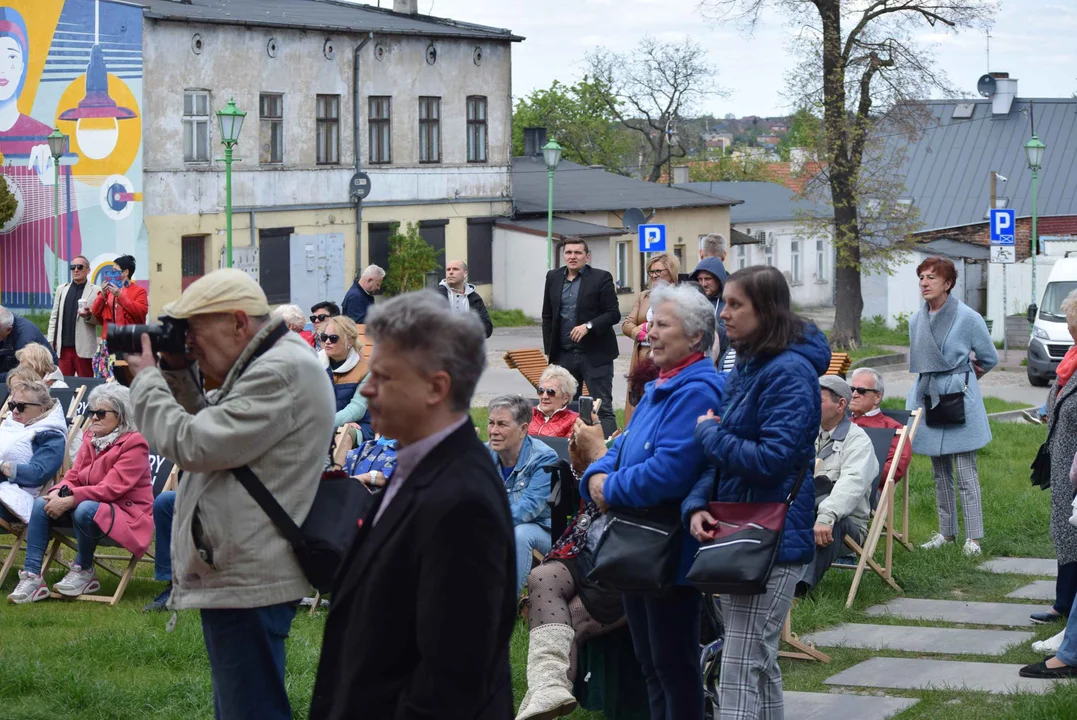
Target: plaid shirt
x,y
377,455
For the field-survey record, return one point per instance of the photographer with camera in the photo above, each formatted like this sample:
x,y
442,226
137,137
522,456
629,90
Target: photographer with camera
x,y
228,558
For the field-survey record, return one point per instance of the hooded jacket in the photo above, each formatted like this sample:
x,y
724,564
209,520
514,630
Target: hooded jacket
x,y
471,298
715,267
770,418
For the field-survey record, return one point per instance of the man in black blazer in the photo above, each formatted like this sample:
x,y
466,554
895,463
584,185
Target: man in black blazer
x,y
425,603
579,312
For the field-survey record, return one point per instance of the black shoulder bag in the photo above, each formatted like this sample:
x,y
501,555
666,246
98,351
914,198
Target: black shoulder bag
x,y
1041,466
950,410
321,543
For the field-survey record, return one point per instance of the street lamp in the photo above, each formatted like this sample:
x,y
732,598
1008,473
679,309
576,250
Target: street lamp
x,y
57,147
552,152
1034,154
231,121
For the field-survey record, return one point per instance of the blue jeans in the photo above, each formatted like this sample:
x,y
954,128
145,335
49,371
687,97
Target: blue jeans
x,y
528,536
665,635
246,661
1067,653
86,534
163,507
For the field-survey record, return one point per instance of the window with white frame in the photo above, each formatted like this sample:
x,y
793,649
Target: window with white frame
x,y
196,126
621,277
794,262
476,129
768,252
820,261
742,257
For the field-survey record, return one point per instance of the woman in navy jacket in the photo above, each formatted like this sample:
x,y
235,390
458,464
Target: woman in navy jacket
x,y
762,437
656,462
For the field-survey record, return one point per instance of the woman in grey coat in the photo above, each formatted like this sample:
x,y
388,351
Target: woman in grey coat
x,y
1062,431
943,335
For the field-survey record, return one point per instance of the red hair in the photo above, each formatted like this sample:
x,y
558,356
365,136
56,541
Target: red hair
x,y
943,267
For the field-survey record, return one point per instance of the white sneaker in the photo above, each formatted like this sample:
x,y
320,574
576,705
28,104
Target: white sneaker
x,y
31,588
971,548
1050,645
78,582
936,542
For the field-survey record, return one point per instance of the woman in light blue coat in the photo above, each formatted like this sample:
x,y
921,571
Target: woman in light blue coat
x,y
944,335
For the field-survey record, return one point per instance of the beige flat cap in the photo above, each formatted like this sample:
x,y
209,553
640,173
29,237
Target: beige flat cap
x,y
221,291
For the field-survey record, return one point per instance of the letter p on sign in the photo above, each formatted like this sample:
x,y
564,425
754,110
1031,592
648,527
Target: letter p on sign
x,y
1002,226
652,238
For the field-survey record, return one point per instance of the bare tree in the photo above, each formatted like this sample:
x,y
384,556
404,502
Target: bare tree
x,y
862,64
652,89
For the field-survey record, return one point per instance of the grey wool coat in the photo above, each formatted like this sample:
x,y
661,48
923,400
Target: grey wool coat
x,y
1063,447
967,334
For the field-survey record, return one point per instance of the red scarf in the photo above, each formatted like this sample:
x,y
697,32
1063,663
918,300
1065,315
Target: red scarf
x,y
664,375
1066,367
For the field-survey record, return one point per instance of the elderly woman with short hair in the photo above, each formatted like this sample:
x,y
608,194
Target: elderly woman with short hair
x,y
654,464
662,269
38,358
107,491
32,440
522,462
296,321
552,417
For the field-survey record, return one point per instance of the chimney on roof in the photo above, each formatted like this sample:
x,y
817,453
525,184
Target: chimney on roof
x,y
680,174
534,139
1005,92
407,7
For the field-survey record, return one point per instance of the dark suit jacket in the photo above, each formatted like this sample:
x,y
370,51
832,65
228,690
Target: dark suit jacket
x,y
424,607
597,304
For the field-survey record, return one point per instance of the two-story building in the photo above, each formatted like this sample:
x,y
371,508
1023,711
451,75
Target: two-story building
x,y
420,104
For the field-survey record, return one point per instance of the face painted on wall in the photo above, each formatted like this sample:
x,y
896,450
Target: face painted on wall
x,y
12,65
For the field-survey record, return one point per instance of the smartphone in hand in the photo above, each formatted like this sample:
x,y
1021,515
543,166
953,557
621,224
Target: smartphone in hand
x,y
587,408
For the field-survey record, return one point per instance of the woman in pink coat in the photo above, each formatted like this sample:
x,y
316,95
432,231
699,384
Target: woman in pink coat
x,y
107,491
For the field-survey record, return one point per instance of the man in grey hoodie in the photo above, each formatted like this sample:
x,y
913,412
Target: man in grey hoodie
x,y
461,294
711,275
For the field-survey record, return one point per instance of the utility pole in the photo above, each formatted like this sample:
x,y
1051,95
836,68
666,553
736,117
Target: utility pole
x,y
994,204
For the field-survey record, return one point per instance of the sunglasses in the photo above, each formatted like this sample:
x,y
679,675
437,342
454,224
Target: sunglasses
x,y
319,318
329,338
863,391
100,414
21,406
78,266
548,392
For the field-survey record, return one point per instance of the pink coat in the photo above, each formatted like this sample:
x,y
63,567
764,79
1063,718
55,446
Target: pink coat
x,y
118,478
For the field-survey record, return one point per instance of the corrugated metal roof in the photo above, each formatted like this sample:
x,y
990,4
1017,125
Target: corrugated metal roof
x,y
326,15
583,189
956,248
762,201
947,168
561,227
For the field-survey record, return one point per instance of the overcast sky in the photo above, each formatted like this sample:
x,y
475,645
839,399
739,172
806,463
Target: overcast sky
x,y
1033,40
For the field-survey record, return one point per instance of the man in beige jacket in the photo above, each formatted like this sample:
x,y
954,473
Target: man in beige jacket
x,y
72,328
273,412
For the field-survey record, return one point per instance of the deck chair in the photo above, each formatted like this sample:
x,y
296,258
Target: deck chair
x,y
839,364
801,650
66,398
883,522
564,500
531,363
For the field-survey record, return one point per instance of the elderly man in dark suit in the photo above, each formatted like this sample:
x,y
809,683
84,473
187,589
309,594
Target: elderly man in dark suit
x,y
425,603
579,312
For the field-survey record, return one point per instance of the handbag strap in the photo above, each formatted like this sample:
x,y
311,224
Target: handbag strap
x,y
269,504
1054,416
796,486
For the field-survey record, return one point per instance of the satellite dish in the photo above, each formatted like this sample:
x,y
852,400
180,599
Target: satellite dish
x,y
986,85
633,218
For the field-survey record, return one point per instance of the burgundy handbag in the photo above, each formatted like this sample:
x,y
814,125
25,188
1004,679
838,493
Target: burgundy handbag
x,y
739,560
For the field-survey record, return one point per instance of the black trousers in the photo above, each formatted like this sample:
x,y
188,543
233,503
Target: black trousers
x,y
599,379
1065,588
825,556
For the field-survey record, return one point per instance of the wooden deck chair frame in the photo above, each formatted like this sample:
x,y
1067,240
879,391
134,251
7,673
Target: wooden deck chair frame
x,y
79,393
801,650
883,522
839,364
531,363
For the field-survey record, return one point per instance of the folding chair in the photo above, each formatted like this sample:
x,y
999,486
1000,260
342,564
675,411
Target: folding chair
x,y
531,363
66,397
801,650
883,521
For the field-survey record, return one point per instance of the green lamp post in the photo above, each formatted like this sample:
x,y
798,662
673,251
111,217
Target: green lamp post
x,y
57,148
552,152
231,122
1034,154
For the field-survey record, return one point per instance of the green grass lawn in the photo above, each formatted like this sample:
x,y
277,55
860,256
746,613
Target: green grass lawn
x,y
82,660
509,318
992,404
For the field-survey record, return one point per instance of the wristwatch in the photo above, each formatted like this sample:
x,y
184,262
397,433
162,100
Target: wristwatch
x,y
588,326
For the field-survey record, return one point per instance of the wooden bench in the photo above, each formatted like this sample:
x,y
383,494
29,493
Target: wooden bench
x,y
839,364
531,363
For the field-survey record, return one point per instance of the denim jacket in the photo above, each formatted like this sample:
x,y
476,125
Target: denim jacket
x,y
528,486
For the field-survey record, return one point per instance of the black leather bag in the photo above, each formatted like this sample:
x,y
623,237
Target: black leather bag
x,y
1041,465
950,410
639,549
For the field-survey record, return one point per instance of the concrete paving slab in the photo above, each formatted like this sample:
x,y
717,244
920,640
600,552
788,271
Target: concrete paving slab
x,y
949,641
827,706
1022,566
958,611
1038,590
915,674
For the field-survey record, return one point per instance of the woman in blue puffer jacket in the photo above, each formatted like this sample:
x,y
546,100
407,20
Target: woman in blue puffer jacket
x,y
763,436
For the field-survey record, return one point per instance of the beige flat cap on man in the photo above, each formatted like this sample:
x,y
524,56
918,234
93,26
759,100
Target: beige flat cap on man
x,y
226,290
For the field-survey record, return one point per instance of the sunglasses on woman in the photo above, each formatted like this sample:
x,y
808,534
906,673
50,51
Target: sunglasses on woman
x,y
21,406
549,392
100,414
329,338
318,318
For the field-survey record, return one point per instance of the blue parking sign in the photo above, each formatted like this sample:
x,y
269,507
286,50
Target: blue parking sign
x,y
652,238
1002,226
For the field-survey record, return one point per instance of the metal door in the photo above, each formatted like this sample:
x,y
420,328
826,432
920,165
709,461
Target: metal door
x,y
976,286
317,269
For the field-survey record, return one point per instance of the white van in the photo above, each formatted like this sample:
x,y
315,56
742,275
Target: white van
x,y
1050,334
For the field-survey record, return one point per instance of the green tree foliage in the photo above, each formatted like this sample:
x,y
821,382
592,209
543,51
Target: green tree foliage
x,y
731,169
410,258
805,131
8,203
580,118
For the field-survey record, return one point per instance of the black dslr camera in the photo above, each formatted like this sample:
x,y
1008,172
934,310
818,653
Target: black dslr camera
x,y
170,337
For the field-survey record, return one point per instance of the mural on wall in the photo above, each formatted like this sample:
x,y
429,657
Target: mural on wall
x,y
75,65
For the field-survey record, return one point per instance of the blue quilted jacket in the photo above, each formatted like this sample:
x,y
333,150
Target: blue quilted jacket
x,y
766,434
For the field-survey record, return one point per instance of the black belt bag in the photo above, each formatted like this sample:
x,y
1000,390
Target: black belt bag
x,y
950,410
